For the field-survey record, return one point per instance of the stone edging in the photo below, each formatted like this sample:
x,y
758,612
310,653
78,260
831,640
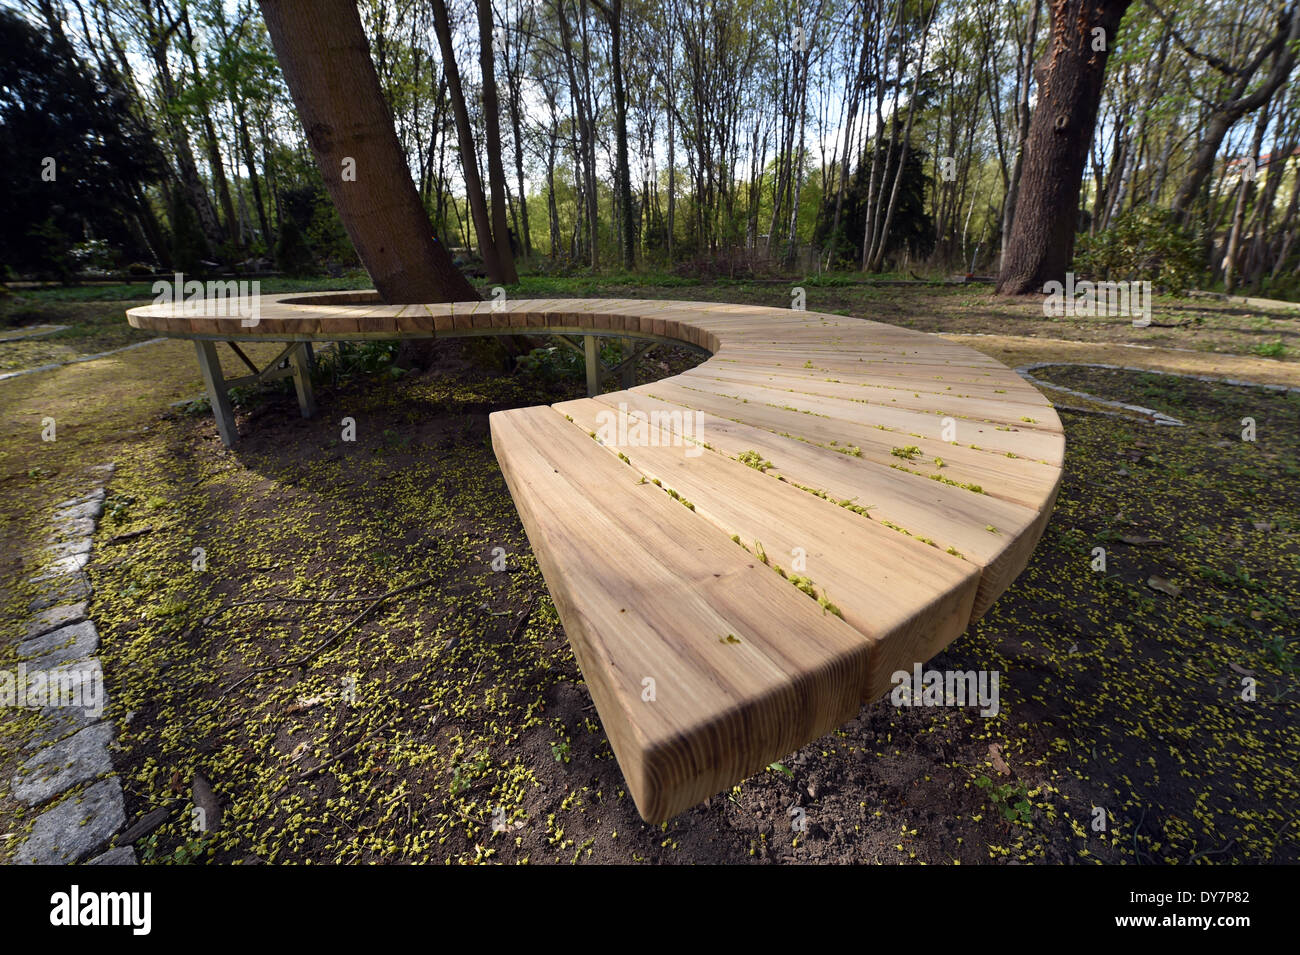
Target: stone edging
x,y
71,744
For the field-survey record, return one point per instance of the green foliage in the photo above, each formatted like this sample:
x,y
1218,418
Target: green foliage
x,y
51,248
911,231
187,853
292,257
1143,244
93,255
1012,800
188,246
555,362
551,363
353,360
71,151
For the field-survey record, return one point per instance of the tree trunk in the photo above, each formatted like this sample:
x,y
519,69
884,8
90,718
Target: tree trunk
x,y
1226,114
326,63
627,217
215,162
1070,77
877,262
1023,114
468,153
247,145
492,143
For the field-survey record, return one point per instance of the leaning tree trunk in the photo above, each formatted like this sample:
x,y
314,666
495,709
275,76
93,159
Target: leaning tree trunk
x,y
1225,115
326,63
1070,76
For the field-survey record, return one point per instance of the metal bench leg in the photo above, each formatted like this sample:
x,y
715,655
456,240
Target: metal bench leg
x,y
214,380
591,357
300,358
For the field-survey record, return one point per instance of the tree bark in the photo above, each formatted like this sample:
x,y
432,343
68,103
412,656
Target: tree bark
x,y
613,13
492,143
326,63
1070,77
465,137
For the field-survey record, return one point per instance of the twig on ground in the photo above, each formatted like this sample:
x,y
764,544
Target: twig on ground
x,y
328,642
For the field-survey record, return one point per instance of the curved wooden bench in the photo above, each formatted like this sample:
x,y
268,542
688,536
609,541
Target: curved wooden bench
x,y
744,554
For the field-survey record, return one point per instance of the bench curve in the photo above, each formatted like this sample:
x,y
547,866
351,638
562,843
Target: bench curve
x,y
743,554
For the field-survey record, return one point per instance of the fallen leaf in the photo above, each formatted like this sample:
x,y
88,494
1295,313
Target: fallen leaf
x,y
1000,764
1164,586
1141,540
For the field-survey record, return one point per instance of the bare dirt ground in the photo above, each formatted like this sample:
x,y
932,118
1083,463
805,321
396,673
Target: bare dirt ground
x,y
1122,735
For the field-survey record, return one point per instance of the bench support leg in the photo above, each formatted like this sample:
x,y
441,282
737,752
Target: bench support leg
x,y
214,381
301,360
591,357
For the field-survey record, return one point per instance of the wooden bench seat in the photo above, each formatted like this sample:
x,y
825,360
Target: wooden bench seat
x,y
744,554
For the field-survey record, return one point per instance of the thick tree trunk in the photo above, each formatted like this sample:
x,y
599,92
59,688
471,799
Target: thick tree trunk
x,y
326,63
1070,77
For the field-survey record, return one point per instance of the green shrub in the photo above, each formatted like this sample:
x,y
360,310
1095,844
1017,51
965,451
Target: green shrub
x,y
1142,244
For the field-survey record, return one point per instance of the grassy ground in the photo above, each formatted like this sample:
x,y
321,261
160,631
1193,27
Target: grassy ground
x,y
402,736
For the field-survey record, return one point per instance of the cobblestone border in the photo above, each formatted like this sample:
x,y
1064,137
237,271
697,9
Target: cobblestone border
x,y
69,775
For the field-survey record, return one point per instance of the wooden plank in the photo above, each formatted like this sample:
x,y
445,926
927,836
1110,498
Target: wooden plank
x,y
952,517
883,582
647,589
999,409
1018,480
1019,439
